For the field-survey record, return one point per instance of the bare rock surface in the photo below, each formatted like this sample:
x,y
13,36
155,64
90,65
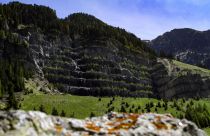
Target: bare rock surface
x,y
34,123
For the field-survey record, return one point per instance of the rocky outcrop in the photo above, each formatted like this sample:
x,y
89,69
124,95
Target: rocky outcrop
x,y
33,123
99,67
173,79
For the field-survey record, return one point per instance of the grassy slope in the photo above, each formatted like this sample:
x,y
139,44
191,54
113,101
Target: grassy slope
x,y
207,130
82,106
193,68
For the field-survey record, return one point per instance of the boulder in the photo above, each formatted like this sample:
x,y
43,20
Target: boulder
x,y
34,123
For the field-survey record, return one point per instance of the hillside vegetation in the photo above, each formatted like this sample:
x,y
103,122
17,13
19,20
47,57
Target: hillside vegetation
x,y
85,106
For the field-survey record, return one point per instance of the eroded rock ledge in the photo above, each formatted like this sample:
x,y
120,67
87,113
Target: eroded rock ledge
x,y
33,123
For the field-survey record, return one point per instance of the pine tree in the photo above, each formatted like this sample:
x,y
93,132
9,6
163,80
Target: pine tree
x,y
41,108
156,109
72,115
63,114
12,102
148,109
159,105
127,105
122,109
92,114
130,111
54,111
1,90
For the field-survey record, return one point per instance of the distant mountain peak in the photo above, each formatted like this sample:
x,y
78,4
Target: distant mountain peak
x,y
193,44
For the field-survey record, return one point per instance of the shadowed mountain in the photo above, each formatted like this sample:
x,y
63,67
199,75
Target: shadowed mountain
x,y
188,45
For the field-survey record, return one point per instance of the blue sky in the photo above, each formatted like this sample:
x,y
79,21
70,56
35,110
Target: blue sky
x,y
145,18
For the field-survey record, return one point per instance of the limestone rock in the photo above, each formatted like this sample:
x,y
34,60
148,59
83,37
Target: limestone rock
x,y
34,123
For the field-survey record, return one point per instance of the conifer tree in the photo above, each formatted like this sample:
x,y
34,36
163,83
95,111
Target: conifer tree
x,y
63,114
54,111
41,108
92,114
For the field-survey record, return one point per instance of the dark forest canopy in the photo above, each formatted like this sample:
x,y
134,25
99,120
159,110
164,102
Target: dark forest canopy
x,y
16,13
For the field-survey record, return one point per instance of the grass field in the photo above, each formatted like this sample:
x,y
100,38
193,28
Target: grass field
x,y
207,130
82,106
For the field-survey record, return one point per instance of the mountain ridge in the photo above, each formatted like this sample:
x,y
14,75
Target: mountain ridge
x,y
188,45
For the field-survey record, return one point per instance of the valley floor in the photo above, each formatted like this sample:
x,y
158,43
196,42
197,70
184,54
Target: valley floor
x,y
207,130
85,106
82,106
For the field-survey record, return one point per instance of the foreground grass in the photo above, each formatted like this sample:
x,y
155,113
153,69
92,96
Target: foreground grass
x,y
207,130
82,106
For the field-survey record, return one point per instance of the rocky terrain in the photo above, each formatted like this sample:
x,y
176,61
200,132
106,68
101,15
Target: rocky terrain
x,y
188,45
97,67
21,123
174,79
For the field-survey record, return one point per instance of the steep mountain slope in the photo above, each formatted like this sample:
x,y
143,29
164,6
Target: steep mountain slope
x,y
81,54
173,79
84,56
188,45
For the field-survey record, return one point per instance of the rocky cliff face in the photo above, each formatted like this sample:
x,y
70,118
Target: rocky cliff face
x,y
105,67
100,67
188,45
173,79
21,123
